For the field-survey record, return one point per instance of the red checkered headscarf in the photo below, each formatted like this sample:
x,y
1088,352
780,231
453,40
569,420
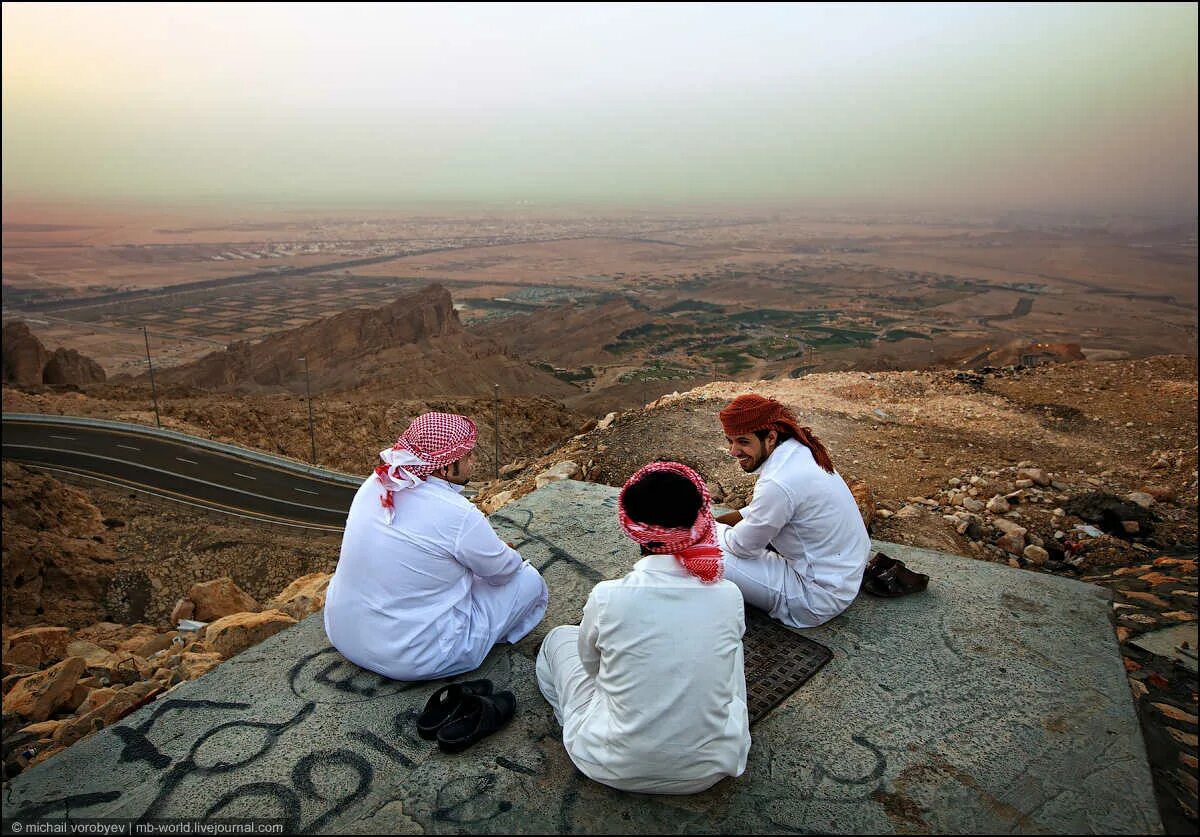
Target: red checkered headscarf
x,y
432,441
748,413
695,547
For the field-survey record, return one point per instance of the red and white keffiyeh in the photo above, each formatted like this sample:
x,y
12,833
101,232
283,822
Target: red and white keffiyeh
x,y
432,441
695,547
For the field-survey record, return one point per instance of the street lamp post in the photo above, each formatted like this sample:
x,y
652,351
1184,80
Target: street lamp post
x,y
312,433
153,389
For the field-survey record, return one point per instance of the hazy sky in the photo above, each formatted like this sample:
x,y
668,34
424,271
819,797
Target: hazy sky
x,y
1064,106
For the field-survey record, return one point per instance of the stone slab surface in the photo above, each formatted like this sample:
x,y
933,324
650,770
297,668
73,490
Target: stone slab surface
x,y
1178,642
995,702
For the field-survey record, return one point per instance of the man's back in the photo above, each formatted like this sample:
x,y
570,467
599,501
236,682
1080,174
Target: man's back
x,y
399,597
670,702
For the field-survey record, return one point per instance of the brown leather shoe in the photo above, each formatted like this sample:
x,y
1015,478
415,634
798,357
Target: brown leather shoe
x,y
888,578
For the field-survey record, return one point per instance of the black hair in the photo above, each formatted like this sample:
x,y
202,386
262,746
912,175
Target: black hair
x,y
663,498
783,434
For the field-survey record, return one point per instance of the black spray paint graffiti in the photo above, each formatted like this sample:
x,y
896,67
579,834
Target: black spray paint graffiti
x,y
241,745
557,553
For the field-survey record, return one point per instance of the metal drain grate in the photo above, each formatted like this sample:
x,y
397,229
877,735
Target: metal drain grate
x,y
778,662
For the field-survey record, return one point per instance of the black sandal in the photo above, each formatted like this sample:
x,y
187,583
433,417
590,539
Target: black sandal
x,y
445,703
481,716
888,578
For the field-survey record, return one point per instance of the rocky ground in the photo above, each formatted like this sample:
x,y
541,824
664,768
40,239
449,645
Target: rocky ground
x,y
1084,469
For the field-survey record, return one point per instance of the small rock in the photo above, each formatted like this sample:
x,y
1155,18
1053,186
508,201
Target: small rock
x,y
998,505
972,505
1034,475
559,471
1131,527
1036,555
184,609
1141,498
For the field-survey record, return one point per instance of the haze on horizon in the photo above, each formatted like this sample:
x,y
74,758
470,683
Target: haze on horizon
x,y
1076,107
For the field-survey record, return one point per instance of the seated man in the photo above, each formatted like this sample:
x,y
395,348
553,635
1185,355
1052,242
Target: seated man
x,y
650,689
424,587
798,549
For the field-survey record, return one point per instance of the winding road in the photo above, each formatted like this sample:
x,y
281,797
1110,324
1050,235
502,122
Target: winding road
x,y
183,468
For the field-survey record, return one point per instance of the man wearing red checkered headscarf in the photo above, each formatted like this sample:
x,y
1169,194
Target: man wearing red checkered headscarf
x,y
424,587
650,687
799,548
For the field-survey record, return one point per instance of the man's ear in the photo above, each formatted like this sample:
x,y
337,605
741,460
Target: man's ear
x,y
773,439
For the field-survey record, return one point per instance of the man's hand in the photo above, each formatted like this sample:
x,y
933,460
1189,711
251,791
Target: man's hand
x,y
730,518
511,545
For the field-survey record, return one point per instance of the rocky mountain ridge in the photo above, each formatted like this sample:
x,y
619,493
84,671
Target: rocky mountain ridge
x,y
414,344
27,361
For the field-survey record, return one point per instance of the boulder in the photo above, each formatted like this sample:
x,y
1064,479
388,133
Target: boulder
x,y
51,643
232,634
110,635
564,470
195,664
303,596
496,501
26,655
67,366
864,498
145,648
95,698
112,710
42,729
90,651
40,695
119,667
220,597
24,355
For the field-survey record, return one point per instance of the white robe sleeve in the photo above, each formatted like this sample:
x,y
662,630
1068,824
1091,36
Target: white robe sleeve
x,y
480,550
768,512
589,635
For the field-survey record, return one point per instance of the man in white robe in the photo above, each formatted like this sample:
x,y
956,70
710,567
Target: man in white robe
x,y
424,587
799,548
650,689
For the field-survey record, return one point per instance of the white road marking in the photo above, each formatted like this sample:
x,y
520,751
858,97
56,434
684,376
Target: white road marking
x,y
68,438
127,447
86,455
188,461
306,491
244,476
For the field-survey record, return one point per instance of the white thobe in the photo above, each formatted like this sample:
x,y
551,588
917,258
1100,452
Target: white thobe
x,y
650,688
811,519
429,594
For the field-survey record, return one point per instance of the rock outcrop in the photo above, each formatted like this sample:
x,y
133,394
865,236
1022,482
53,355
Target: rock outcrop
x,y
67,366
28,363
57,560
414,344
24,355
